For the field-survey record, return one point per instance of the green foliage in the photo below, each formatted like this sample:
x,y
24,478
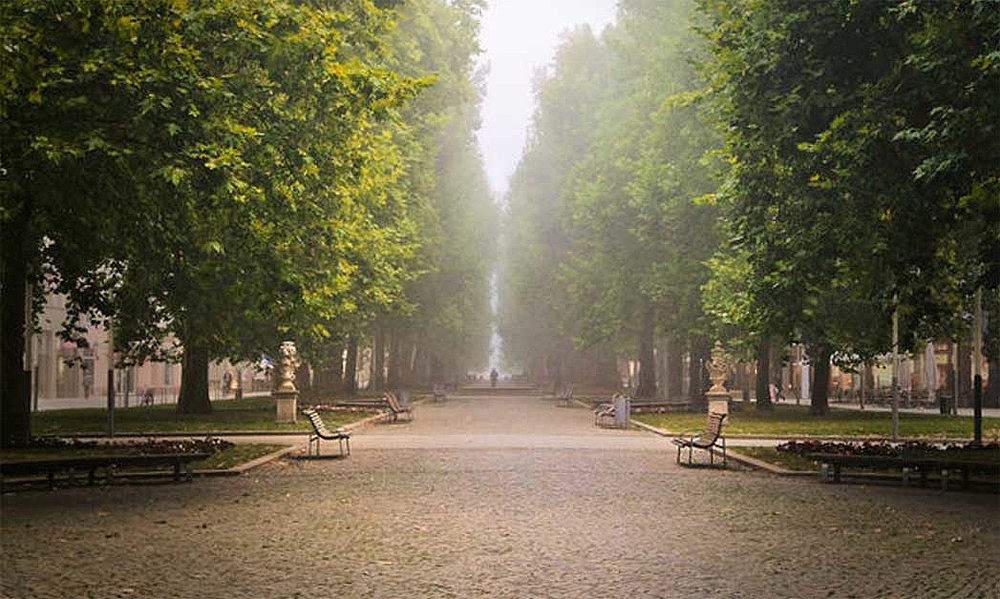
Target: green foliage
x,y
850,182
232,167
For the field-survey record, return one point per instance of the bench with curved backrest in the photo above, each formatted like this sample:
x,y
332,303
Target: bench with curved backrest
x,y
440,392
566,394
396,408
605,413
321,432
708,439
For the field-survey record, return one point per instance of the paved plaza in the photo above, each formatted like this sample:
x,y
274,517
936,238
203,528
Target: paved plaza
x,y
500,497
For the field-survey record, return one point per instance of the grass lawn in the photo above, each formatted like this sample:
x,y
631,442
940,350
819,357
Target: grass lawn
x,y
788,461
227,458
796,420
254,414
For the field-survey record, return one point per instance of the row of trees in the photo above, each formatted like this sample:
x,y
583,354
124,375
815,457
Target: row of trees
x,y
765,172
210,178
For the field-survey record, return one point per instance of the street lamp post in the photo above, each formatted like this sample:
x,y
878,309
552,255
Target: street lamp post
x,y
977,377
111,383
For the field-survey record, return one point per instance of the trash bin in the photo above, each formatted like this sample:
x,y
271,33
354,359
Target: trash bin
x,y
943,403
623,405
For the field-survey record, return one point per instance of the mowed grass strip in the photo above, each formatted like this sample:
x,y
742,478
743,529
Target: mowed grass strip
x,y
246,415
797,421
227,458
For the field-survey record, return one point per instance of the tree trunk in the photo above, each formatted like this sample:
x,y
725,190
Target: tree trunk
x,y
437,369
646,387
746,378
351,367
762,387
964,373
378,360
697,376
395,360
15,396
819,402
606,371
991,395
303,382
675,370
193,397
328,377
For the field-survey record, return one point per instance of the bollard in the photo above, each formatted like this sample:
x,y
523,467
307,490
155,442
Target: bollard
x,y
944,479
824,473
906,476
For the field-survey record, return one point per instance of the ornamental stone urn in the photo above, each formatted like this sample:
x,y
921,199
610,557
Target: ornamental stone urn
x,y
718,368
285,393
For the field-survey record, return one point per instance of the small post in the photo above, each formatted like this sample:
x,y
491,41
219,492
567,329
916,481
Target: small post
x,y
977,377
895,371
111,383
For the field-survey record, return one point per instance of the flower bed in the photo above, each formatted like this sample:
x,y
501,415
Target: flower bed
x,y
989,452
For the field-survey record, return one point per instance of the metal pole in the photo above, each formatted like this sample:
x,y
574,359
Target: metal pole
x,y
111,384
954,378
977,377
28,358
895,372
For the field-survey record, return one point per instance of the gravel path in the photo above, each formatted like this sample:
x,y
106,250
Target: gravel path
x,y
500,497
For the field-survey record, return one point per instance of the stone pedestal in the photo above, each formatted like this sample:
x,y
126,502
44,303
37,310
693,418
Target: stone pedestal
x,y
287,402
718,402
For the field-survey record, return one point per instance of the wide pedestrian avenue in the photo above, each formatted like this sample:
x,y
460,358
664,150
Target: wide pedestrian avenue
x,y
496,495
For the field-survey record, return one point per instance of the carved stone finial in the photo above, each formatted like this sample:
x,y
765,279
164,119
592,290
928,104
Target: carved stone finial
x,y
718,369
289,363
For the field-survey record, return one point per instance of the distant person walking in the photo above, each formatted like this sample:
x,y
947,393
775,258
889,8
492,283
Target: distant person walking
x,y
494,375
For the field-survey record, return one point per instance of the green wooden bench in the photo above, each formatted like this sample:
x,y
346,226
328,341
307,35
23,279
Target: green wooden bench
x,y
922,467
91,464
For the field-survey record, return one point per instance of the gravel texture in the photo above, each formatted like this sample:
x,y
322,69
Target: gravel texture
x,y
500,497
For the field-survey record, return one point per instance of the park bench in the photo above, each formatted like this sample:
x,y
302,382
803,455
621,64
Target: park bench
x,y
922,467
396,408
321,432
565,394
606,414
90,464
440,392
708,439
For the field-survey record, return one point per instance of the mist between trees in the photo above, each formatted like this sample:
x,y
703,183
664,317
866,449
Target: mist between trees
x,y
207,179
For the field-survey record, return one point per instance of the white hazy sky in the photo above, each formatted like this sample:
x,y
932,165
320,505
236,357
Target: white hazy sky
x,y
519,36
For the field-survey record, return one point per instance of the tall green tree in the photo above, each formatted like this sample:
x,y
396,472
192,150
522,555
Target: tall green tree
x,y
815,100
228,162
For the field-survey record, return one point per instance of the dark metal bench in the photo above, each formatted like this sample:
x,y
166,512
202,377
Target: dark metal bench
x,y
909,466
321,432
90,464
396,408
708,439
